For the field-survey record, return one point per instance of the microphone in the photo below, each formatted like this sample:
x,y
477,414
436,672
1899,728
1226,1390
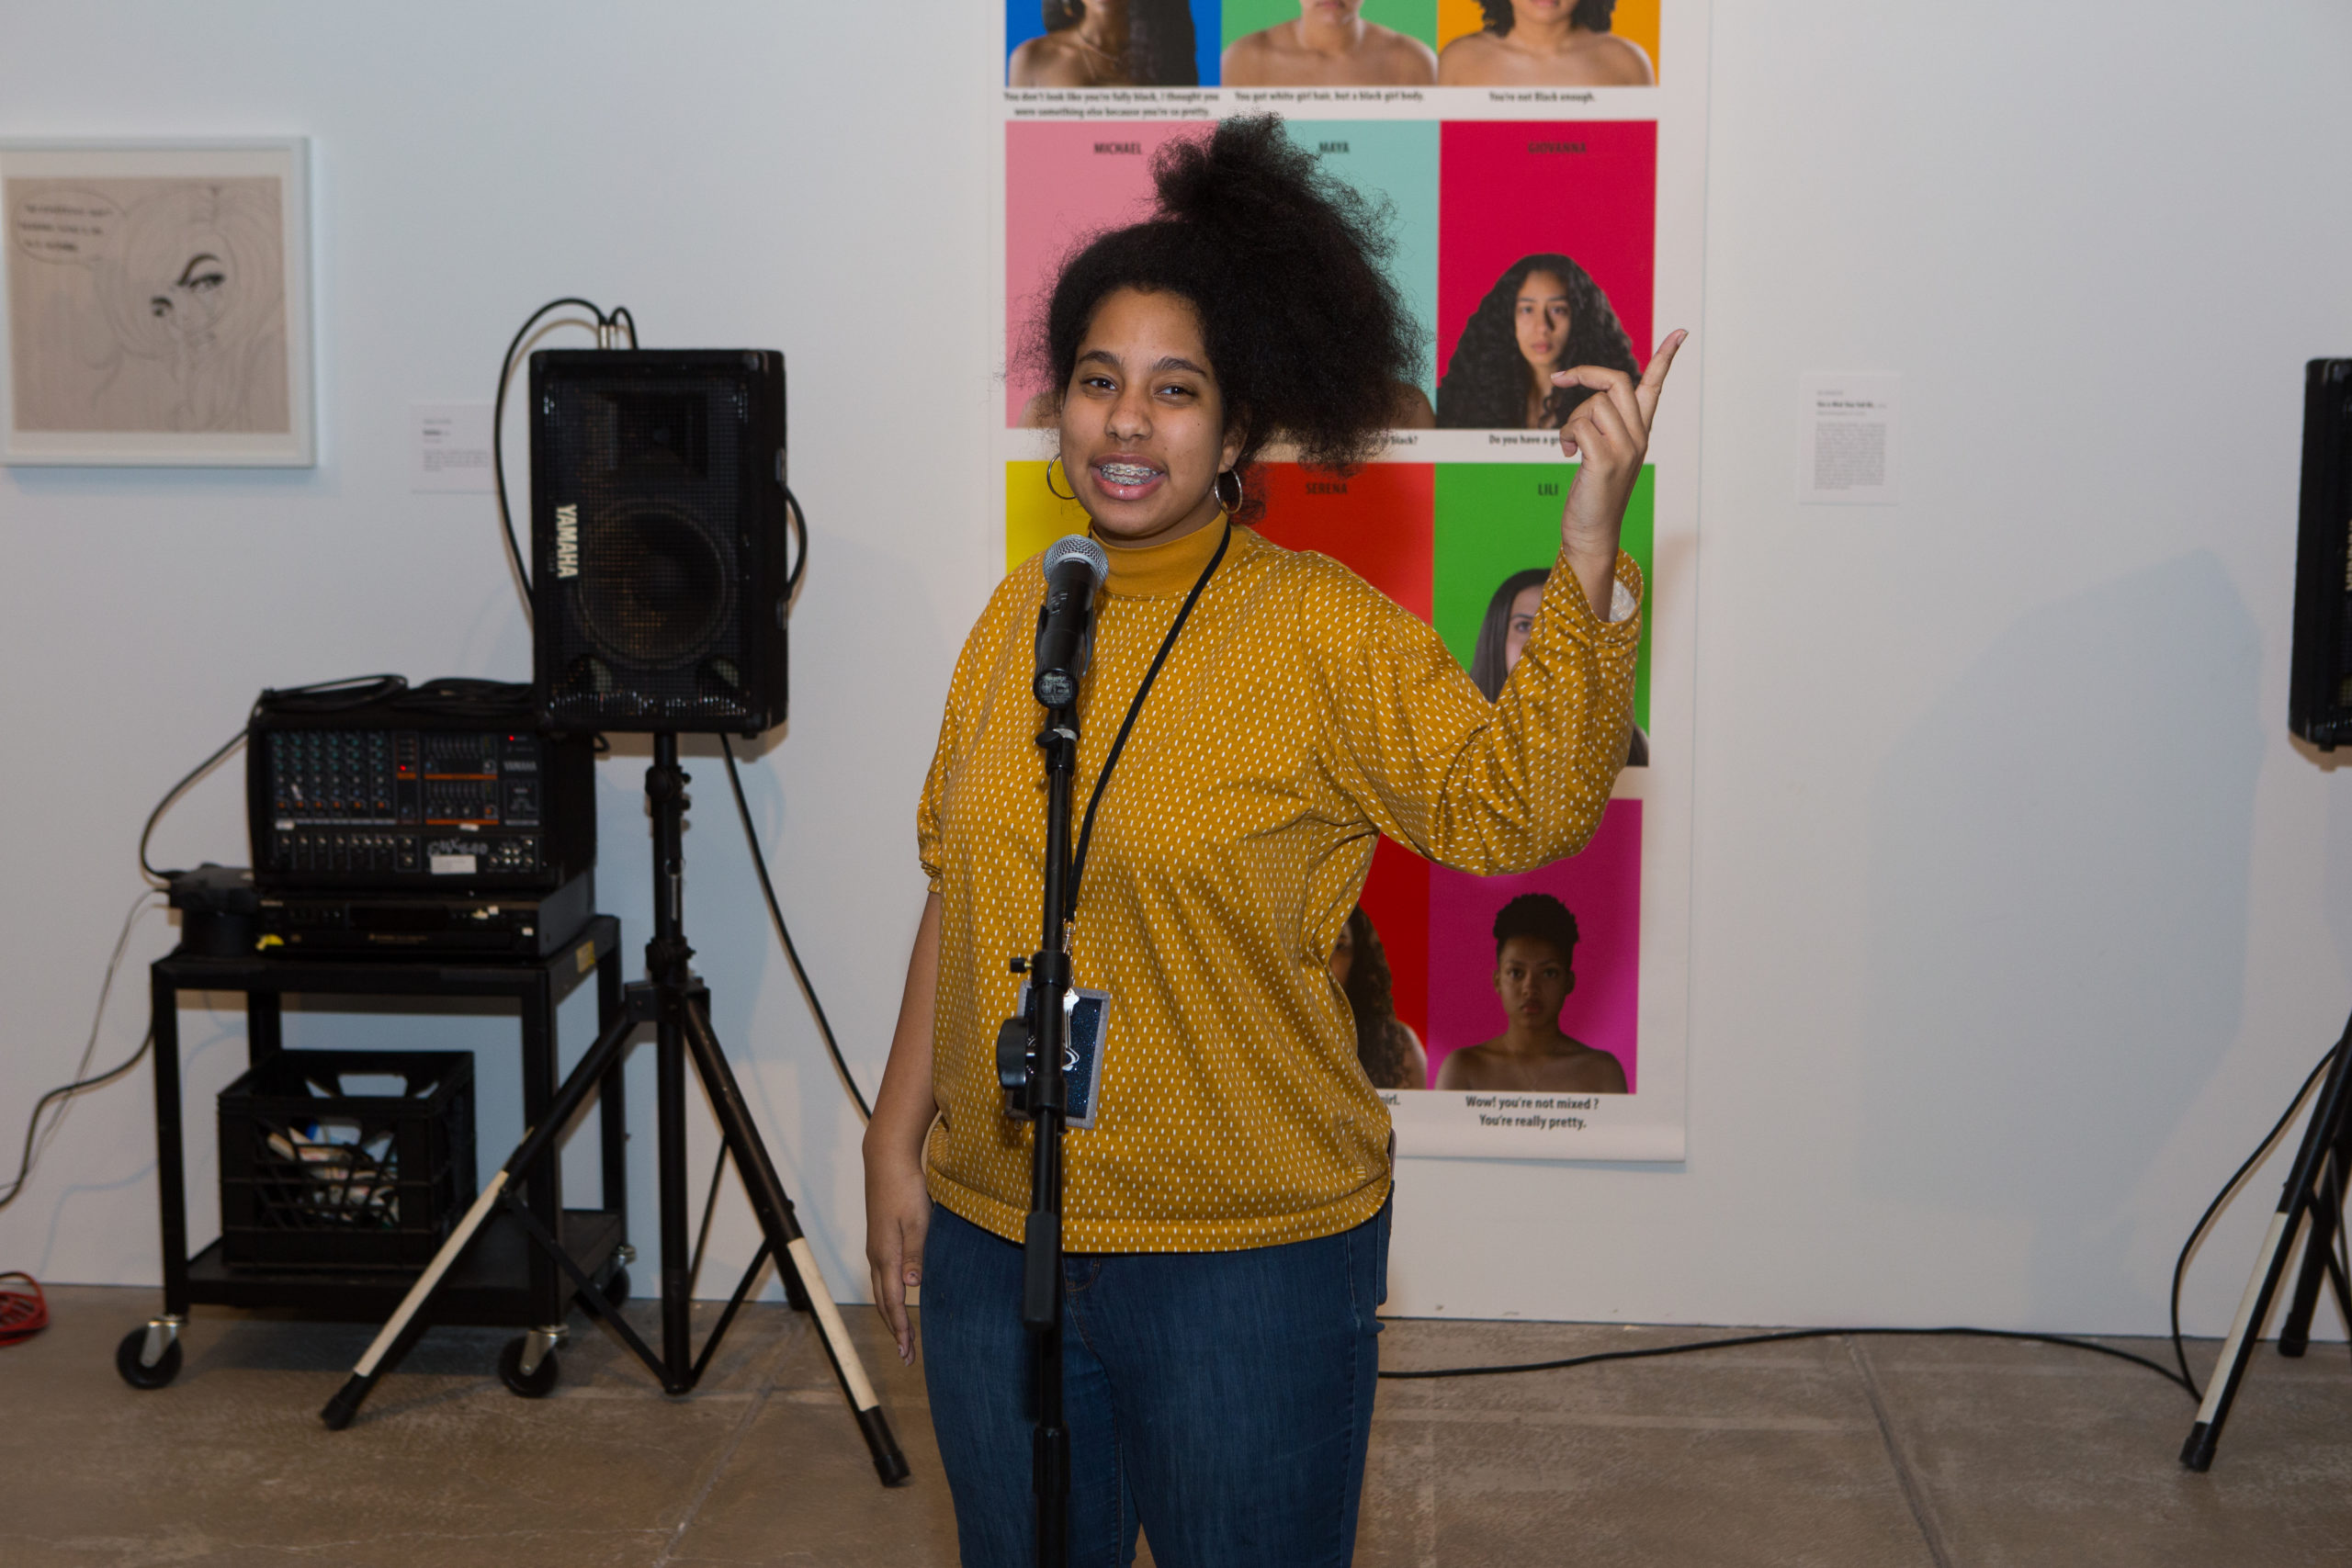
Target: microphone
x,y
1075,567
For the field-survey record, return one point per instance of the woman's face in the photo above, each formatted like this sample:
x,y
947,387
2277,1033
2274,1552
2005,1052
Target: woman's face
x,y
1143,427
1540,10
194,297
1543,320
1343,957
1523,606
1533,980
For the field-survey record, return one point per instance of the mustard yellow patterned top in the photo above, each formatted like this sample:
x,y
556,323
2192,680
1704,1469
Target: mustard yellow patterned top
x,y
1301,714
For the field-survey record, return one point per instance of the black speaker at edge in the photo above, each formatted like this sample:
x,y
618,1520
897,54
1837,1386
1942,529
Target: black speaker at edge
x,y
658,539
2319,688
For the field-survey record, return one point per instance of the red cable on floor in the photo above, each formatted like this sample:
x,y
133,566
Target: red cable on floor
x,y
21,1316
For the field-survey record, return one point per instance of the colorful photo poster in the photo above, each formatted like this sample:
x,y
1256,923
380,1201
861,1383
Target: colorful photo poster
x,y
1544,198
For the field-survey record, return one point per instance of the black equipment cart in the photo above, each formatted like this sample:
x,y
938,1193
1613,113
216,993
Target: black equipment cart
x,y
502,1279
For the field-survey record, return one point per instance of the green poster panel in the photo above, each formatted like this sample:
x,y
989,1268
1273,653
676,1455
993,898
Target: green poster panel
x,y
1494,519
1417,18
1393,161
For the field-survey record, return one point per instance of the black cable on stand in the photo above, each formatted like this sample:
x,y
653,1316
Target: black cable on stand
x,y
608,328
1030,1048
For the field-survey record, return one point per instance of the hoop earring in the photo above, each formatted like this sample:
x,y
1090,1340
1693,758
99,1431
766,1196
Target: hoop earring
x,y
1049,482
1239,496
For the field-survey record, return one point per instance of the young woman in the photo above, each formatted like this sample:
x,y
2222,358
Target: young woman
x,y
1226,1217
1390,1053
1535,968
1549,44
1544,314
1502,637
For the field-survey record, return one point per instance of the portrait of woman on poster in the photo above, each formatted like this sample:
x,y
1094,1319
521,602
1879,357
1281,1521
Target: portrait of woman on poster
x,y
1546,43
1544,314
1502,637
1387,1048
1331,45
1109,43
1535,949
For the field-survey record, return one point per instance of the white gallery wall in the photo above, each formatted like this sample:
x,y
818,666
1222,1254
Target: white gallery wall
x,y
2017,915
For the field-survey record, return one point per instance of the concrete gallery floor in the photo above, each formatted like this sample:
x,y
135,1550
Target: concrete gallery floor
x,y
1875,1452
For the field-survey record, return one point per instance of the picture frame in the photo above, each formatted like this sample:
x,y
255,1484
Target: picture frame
x,y
155,303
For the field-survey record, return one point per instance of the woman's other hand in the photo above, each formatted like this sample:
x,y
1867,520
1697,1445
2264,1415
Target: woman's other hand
x,y
1608,433
898,1209
898,1213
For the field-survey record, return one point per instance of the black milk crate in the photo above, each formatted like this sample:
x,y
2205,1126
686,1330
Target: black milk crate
x,y
315,1176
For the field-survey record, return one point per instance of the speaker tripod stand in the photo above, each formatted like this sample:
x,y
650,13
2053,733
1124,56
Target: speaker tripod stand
x,y
677,1005
2314,1192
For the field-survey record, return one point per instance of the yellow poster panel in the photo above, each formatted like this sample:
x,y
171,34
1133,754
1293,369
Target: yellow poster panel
x,y
1033,516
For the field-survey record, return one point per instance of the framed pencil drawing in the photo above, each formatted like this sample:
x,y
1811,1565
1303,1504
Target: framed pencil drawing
x,y
157,303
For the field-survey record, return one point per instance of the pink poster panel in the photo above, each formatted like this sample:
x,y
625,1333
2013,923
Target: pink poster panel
x,y
1602,889
1065,182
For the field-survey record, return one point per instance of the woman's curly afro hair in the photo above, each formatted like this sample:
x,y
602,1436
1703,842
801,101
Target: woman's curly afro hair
x,y
1307,337
1542,917
1592,16
1159,39
1486,381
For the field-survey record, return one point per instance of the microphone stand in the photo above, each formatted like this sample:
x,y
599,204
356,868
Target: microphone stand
x,y
1029,1067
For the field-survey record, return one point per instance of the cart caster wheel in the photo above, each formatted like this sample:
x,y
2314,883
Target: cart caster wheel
x,y
135,1372
538,1385
616,1286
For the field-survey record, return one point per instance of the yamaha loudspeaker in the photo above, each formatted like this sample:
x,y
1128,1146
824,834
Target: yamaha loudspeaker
x,y
658,539
2319,681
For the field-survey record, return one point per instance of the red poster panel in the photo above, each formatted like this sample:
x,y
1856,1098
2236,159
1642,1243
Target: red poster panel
x,y
1379,522
1509,189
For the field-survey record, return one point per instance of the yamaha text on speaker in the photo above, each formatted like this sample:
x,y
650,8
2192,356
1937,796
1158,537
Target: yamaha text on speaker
x,y
2319,687
447,788
658,539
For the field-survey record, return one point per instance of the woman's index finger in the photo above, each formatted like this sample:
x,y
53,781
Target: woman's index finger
x,y
1654,379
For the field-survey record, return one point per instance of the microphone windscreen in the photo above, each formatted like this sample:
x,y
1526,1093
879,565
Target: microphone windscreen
x,y
1078,547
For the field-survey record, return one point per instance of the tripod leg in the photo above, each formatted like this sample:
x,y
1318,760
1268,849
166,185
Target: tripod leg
x,y
773,1207
2318,1252
670,1159
2294,1203
585,1080
395,1333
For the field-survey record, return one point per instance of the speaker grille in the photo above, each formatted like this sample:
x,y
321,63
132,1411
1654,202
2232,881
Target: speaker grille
x,y
653,468
660,592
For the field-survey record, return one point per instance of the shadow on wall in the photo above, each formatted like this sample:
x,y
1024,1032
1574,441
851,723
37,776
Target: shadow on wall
x,y
2060,852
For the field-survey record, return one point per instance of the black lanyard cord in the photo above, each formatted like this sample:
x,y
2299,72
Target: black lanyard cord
x,y
1109,761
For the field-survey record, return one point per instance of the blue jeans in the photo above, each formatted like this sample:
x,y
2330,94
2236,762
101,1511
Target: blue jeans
x,y
1220,1400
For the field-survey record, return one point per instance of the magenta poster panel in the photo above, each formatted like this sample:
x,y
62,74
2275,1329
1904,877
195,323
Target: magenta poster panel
x,y
1509,189
1065,182
1603,889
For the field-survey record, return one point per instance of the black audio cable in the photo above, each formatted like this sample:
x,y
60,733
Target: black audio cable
x,y
618,320
323,697
188,782
2183,1378
784,933
35,1142
2229,1188
799,521
1785,1335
